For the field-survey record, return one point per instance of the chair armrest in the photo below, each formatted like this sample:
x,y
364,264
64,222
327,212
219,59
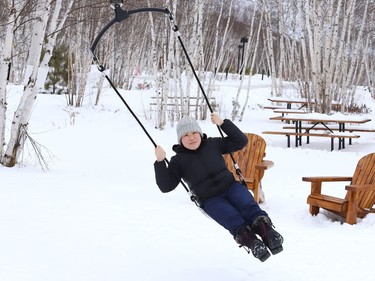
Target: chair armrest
x,y
326,179
248,180
264,165
366,187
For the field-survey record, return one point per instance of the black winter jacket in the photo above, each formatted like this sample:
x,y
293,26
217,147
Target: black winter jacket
x,y
203,169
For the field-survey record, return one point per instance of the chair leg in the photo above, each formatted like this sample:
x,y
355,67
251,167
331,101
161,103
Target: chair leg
x,y
314,210
256,192
316,188
261,196
351,215
350,219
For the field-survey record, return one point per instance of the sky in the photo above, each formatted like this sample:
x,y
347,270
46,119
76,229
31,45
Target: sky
x,y
97,214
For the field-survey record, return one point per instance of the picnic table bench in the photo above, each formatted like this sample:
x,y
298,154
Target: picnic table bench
x,y
320,121
289,111
340,136
300,102
273,107
347,128
350,129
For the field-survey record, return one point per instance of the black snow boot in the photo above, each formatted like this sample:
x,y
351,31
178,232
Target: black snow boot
x,y
247,238
265,229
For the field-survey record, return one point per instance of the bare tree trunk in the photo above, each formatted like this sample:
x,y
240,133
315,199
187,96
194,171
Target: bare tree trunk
x,y
302,56
37,78
251,53
369,70
281,34
218,59
5,60
354,59
254,56
161,100
270,49
164,78
22,115
177,76
330,57
201,106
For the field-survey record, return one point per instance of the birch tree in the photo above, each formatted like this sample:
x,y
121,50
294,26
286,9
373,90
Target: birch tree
x,y
164,75
161,101
370,70
12,9
281,34
194,44
333,53
21,118
268,37
249,46
355,59
81,64
199,60
253,57
178,89
218,58
22,114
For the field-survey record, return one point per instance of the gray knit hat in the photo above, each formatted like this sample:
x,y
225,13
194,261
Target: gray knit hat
x,y
186,125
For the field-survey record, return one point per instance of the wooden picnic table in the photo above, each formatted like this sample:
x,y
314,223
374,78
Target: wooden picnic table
x,y
324,119
302,102
315,119
290,111
289,102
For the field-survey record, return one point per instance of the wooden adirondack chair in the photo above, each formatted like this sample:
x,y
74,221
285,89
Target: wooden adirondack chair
x,y
360,197
251,163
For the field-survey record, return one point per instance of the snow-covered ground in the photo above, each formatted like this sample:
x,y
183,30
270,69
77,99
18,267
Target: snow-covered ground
x,y
97,213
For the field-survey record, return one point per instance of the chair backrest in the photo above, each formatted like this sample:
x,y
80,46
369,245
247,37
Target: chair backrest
x,y
364,174
246,159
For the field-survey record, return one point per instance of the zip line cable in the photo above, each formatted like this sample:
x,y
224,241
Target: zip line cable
x,y
121,15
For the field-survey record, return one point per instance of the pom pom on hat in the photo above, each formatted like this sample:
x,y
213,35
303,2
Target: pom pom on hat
x,y
186,125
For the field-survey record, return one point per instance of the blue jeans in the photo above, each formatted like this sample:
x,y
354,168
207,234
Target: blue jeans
x,y
233,208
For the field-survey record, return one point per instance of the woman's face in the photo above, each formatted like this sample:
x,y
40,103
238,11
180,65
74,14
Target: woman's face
x,y
191,140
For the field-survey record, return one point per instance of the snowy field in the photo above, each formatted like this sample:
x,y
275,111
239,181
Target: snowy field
x,y
96,214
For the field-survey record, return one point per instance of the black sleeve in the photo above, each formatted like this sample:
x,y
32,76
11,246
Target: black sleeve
x,y
165,179
235,140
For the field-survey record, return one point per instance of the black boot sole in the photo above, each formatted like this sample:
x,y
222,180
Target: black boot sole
x,y
276,250
277,245
261,252
264,257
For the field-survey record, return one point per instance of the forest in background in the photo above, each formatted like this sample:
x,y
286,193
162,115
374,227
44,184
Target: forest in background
x,y
325,47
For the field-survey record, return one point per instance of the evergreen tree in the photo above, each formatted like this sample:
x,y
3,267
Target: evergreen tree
x,y
57,79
